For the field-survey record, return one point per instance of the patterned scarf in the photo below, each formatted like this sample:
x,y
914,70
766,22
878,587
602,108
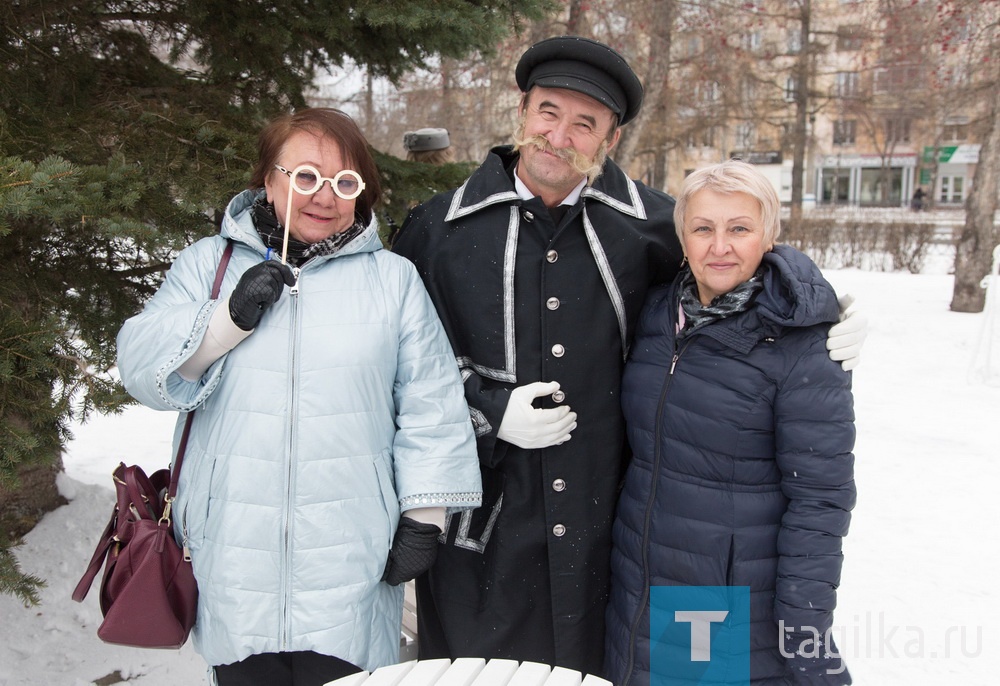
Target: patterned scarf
x,y
273,234
735,301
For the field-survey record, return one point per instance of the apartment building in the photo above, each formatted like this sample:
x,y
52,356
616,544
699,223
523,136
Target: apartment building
x,y
883,95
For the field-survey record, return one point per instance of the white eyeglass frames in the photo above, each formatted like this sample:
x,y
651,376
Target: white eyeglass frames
x,y
306,179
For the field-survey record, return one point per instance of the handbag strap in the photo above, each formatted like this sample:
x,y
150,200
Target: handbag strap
x,y
133,489
139,493
103,545
175,468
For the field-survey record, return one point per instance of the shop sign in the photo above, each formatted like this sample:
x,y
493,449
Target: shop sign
x,y
758,156
967,153
868,161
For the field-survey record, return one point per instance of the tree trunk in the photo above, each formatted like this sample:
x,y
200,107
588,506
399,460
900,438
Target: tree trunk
x,y
974,252
655,83
370,100
576,23
930,198
22,507
800,135
660,167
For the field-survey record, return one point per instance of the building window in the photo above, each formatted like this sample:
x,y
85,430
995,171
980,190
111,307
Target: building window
x,y
844,131
955,132
744,136
706,91
848,84
897,130
787,135
952,189
790,89
704,138
836,185
881,187
880,84
794,42
752,41
849,38
898,78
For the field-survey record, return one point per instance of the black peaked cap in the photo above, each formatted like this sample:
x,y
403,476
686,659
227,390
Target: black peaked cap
x,y
585,66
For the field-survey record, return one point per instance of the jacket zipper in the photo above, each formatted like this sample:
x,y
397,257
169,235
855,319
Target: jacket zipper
x,y
286,591
184,536
647,519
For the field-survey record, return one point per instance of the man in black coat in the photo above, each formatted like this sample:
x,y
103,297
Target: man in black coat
x,y
538,266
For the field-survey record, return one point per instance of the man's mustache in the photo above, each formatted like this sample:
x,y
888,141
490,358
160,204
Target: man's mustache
x,y
570,155
582,164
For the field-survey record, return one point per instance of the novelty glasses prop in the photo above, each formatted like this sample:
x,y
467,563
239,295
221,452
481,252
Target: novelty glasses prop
x,y
306,179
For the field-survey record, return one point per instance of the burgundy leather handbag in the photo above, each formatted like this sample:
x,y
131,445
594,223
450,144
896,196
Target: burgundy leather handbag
x,y
149,595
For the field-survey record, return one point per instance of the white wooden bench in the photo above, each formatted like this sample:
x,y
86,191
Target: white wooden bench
x,y
470,671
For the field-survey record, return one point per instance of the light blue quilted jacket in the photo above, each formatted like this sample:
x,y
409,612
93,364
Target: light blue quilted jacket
x,y
342,409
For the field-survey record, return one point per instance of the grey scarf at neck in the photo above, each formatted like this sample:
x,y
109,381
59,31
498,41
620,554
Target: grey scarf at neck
x,y
696,315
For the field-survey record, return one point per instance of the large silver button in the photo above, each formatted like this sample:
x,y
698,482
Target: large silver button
x,y
551,256
558,485
558,350
558,396
528,216
552,303
559,530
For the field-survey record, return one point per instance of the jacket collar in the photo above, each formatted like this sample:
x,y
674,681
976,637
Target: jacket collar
x,y
795,295
490,184
238,225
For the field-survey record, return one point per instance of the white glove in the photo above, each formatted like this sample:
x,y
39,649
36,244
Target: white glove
x,y
846,338
529,427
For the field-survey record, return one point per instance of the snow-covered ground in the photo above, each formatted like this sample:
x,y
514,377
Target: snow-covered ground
x,y
917,604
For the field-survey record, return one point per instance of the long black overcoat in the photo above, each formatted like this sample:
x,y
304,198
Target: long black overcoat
x,y
525,297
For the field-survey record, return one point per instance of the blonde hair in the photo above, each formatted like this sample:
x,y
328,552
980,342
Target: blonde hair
x,y
733,176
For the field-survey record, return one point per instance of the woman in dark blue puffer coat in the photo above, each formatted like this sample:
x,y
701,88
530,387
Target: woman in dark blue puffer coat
x,y
742,431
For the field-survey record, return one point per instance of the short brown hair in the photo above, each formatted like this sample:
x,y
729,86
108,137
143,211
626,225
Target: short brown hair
x,y
442,156
329,123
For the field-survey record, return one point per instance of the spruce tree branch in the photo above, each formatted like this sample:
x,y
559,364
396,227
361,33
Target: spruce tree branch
x,y
28,182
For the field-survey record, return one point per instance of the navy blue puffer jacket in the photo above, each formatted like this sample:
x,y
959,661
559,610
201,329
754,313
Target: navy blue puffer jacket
x,y
742,473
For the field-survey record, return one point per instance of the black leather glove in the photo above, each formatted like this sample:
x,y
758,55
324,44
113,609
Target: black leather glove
x,y
259,288
414,549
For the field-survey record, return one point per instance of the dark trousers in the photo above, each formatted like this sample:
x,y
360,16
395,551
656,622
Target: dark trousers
x,y
284,669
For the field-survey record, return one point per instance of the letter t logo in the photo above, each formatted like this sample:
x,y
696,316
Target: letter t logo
x,y
701,630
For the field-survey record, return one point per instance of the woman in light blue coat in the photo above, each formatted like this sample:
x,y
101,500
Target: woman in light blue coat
x,y
331,432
